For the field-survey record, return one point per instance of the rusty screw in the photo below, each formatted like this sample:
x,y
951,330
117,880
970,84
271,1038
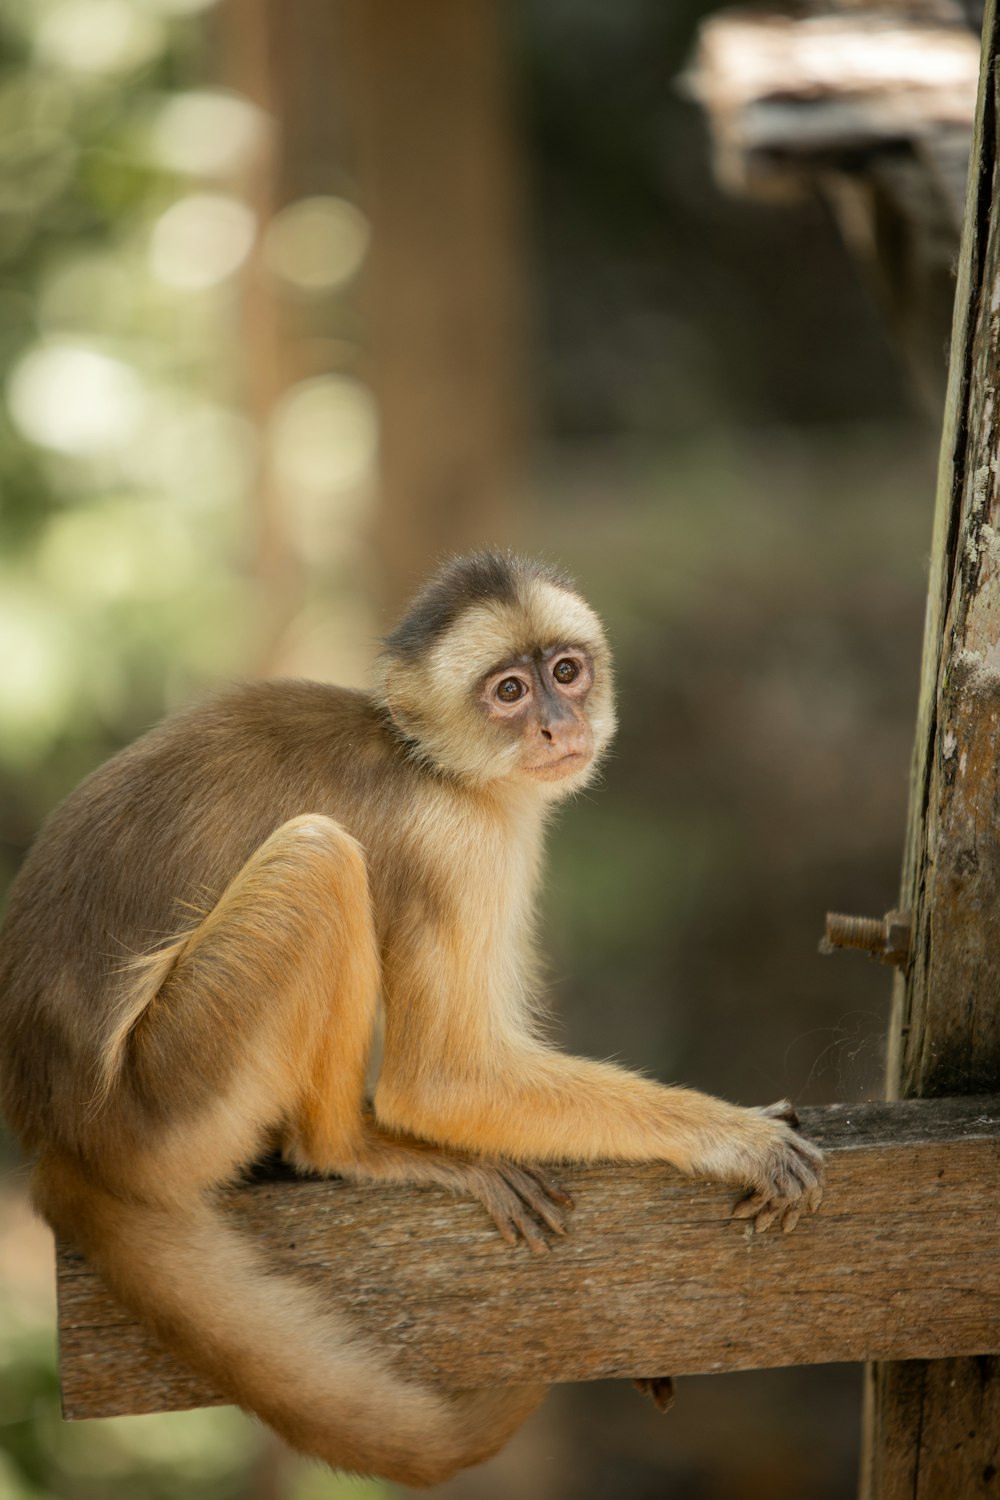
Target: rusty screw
x,y
886,939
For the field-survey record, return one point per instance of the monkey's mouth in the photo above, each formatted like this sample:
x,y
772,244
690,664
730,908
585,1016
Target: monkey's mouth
x,y
565,765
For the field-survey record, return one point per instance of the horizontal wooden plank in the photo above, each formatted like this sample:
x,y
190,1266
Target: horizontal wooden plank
x,y
654,1278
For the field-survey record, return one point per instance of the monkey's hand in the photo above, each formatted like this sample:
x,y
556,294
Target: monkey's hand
x,y
519,1200
788,1177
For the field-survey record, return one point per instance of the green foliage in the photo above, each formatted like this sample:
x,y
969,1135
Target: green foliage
x,y
122,464
122,467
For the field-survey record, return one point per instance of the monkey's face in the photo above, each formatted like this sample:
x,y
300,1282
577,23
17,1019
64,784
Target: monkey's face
x,y
539,701
515,690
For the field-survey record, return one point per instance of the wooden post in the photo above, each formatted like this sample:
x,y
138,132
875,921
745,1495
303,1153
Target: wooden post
x,y
932,1429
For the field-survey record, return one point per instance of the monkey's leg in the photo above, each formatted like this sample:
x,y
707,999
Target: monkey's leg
x,y
262,1019
544,1106
262,1016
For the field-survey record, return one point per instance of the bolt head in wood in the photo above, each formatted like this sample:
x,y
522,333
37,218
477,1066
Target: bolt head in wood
x,y
886,939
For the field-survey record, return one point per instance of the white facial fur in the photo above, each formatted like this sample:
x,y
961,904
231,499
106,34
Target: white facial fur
x,y
436,701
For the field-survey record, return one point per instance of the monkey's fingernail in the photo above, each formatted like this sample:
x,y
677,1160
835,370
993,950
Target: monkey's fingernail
x,y
507,1230
527,1230
790,1220
552,1189
547,1211
748,1207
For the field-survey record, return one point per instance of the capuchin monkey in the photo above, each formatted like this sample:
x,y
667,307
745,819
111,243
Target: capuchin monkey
x,y
191,966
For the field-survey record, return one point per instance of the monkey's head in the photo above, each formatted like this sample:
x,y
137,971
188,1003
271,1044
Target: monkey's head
x,y
500,672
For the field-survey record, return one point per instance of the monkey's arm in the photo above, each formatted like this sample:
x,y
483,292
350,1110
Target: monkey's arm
x,y
536,1104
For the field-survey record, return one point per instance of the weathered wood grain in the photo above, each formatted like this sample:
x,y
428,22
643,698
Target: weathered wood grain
x,y
932,1431
903,1260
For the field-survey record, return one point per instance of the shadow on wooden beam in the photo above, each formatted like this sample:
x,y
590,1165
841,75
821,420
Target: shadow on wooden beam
x,y
655,1278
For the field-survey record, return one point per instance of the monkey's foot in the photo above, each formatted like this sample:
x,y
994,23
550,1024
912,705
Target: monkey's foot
x,y
520,1201
790,1178
659,1389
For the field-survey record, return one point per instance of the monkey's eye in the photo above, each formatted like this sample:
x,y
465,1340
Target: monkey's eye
x,y
510,690
566,671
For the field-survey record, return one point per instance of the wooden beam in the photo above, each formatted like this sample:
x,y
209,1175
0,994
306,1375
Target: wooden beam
x,y
932,1432
872,109
654,1278
788,96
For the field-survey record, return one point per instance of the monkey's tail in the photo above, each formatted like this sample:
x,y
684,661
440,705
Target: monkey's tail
x,y
269,1344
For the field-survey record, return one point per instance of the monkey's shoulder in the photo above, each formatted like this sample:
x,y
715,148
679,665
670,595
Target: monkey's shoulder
x,y
279,728
184,806
282,711
226,770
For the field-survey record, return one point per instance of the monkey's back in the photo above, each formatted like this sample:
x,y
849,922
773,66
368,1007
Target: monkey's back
x,y
143,849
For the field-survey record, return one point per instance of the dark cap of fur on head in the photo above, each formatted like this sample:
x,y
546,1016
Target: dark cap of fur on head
x,y
478,578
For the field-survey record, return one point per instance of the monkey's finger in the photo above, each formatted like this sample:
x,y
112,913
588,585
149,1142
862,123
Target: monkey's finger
x,y
807,1153
550,1187
768,1216
536,1199
748,1208
790,1218
811,1176
510,1214
530,1232
800,1177
505,1225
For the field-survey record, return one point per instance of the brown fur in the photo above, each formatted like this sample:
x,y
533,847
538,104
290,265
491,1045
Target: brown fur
x,y
190,971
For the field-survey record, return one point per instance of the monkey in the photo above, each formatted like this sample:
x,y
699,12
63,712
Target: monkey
x,y
191,966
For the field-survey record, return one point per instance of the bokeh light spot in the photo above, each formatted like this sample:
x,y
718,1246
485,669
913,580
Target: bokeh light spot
x,y
98,36
316,244
324,436
207,132
75,399
200,240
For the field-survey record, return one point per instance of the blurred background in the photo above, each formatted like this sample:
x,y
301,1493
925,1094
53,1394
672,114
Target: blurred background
x,y
297,298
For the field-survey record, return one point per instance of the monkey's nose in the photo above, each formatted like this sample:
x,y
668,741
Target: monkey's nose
x,y
564,739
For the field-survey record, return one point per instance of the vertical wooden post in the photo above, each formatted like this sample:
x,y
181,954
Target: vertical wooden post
x,y
932,1428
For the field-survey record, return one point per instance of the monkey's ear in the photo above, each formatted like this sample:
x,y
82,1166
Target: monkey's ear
x,y
391,682
398,717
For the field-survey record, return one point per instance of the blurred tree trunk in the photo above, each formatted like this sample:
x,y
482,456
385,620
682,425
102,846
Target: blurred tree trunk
x,y
443,290
312,602
414,101
245,35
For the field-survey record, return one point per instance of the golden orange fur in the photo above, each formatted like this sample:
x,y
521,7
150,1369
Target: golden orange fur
x,y
191,966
